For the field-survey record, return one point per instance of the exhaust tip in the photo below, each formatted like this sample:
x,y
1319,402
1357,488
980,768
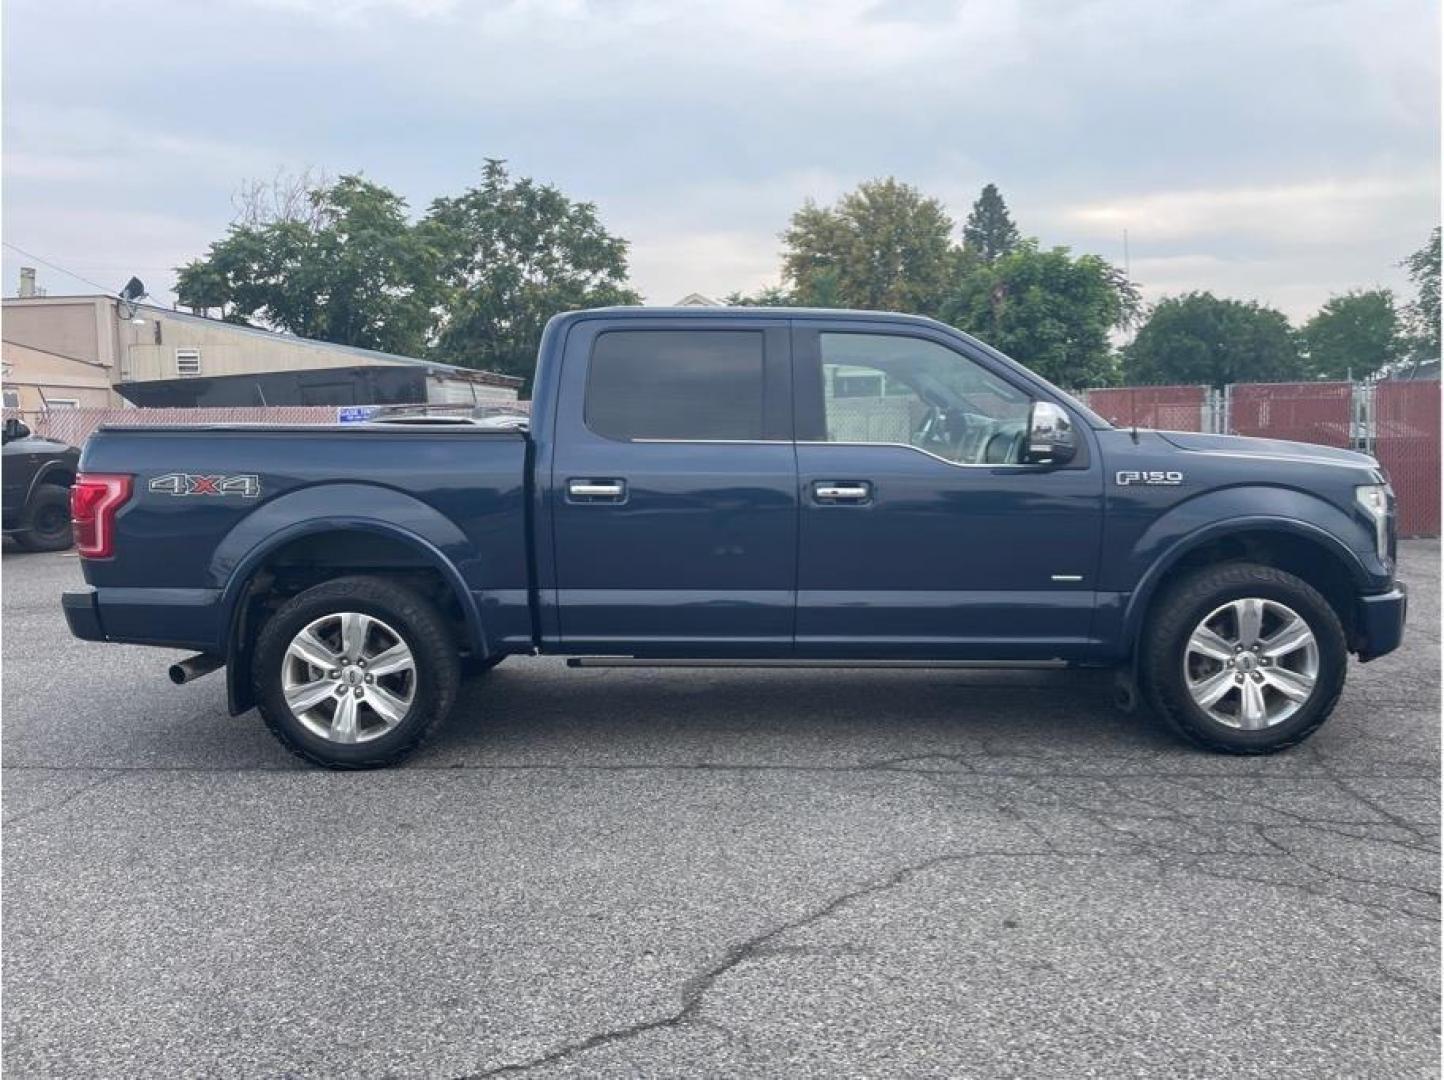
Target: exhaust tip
x,y
193,668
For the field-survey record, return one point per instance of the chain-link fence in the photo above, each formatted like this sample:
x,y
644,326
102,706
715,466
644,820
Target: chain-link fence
x,y
1395,420
1170,408
1315,412
1405,439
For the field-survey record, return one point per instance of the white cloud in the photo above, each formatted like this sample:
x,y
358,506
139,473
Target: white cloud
x,y
103,246
669,266
360,10
1278,148
1294,283
1310,211
76,143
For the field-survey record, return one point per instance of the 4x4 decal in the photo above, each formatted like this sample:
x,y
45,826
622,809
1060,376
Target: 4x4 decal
x,y
247,485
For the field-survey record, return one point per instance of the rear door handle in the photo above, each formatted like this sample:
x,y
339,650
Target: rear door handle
x,y
842,491
592,490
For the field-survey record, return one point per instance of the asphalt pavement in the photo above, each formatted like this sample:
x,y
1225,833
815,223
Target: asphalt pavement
x,y
712,873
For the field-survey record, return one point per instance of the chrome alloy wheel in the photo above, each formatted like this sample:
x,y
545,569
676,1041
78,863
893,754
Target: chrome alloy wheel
x,y
348,677
1251,663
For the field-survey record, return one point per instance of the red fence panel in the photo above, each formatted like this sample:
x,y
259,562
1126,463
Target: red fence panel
x,y
1314,412
1169,408
1406,442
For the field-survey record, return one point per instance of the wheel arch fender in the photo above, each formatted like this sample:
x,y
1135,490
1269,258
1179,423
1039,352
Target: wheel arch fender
x,y
357,508
58,472
1303,518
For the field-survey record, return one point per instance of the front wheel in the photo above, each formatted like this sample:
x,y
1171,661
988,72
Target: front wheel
x,y
1244,659
355,673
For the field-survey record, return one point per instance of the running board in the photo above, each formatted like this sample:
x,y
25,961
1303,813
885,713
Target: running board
x,y
638,662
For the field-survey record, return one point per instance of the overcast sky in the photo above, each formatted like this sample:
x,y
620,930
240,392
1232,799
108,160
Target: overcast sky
x,y
1281,150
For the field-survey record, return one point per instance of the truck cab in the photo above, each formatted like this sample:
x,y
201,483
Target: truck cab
x,y
751,486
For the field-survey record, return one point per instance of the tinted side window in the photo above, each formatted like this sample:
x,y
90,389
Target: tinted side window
x,y
892,388
676,384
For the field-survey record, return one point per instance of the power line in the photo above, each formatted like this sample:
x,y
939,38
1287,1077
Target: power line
x,y
56,266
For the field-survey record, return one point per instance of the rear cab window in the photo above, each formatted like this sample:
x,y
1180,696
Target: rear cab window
x,y
703,385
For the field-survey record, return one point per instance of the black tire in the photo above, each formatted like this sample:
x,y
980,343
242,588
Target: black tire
x,y
46,524
414,618
1185,605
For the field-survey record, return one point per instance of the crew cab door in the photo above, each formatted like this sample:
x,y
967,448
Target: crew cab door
x,y
923,533
673,490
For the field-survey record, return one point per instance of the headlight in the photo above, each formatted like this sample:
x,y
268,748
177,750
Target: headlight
x,y
1373,500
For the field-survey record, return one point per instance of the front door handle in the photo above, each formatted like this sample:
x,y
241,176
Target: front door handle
x,y
842,491
592,490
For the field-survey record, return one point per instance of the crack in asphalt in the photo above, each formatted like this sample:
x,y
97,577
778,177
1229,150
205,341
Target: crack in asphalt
x,y
749,949
1179,857
1312,891
1343,784
1199,845
1165,856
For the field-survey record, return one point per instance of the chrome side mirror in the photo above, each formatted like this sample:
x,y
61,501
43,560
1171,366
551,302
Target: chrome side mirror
x,y
1050,435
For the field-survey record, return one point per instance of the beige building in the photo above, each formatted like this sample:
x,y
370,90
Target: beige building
x,y
37,379
71,351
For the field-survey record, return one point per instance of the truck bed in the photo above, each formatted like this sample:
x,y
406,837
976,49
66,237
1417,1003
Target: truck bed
x,y
210,501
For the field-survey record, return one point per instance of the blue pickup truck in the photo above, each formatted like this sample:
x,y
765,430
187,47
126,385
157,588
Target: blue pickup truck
x,y
741,486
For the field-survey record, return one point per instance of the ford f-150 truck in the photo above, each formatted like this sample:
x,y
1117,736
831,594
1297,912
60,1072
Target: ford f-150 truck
x,y
746,486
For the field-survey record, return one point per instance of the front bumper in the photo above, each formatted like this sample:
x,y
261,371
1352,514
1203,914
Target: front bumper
x,y
82,614
1381,622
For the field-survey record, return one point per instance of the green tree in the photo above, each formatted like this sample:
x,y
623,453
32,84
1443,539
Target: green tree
x,y
471,283
1198,338
823,289
883,247
513,253
1352,336
1422,316
1047,309
350,269
989,231
767,296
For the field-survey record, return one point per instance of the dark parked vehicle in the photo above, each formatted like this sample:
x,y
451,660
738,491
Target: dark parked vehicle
x,y
37,474
743,486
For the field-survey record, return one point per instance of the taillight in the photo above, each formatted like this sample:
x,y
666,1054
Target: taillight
x,y
94,500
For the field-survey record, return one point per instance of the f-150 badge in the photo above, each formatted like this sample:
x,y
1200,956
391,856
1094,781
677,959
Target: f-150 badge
x,y
247,485
1125,477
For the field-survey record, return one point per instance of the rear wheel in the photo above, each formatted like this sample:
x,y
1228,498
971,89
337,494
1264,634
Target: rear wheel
x,y
1244,659
355,673
46,525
